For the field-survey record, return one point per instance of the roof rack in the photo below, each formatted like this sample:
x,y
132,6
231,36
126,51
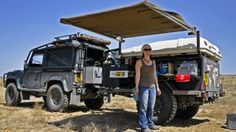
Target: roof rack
x,y
66,40
80,37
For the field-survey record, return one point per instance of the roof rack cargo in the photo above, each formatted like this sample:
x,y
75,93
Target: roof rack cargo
x,y
81,37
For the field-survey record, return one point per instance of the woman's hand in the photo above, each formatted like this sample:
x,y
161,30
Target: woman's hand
x,y
158,91
137,91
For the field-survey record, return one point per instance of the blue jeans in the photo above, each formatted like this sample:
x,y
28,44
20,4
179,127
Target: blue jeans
x,y
147,99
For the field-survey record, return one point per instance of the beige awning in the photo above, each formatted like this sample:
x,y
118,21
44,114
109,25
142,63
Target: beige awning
x,y
136,20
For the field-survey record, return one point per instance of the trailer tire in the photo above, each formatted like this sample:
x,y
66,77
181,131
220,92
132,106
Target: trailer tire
x,y
12,95
187,113
165,107
94,104
56,99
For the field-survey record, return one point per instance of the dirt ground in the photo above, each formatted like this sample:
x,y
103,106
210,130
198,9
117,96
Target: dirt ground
x,y
119,115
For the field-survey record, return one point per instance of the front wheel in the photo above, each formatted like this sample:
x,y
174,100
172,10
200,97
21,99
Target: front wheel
x,y
12,95
56,98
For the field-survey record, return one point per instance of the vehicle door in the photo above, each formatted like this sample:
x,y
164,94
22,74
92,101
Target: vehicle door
x,y
33,71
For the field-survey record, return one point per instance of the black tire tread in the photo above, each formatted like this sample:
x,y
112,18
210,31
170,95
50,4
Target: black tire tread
x,y
65,98
94,104
170,114
187,113
17,99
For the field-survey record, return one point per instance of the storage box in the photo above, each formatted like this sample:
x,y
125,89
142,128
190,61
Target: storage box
x,y
93,75
231,121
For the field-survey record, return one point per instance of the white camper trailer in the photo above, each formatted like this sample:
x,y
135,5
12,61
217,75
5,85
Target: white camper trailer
x,y
190,73
175,47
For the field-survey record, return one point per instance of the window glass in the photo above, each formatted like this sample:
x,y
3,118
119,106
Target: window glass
x,y
36,60
59,58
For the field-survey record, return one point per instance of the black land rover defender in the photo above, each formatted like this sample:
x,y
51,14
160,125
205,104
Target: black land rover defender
x,y
59,72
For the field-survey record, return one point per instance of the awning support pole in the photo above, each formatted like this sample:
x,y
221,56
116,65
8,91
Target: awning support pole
x,y
120,47
121,40
199,53
198,43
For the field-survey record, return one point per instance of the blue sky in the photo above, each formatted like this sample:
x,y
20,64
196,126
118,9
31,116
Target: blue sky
x,y
25,24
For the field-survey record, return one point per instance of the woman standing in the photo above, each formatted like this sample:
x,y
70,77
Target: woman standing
x,y
146,86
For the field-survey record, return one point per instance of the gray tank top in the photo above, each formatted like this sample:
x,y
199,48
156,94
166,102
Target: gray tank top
x,y
147,78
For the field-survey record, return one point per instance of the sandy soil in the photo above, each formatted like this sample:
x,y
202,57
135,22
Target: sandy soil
x,y
119,115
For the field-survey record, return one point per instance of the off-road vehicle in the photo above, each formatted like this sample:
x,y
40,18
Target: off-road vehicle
x,y
77,67
60,71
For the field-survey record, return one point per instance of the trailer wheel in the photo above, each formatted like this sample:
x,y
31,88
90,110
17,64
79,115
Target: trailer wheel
x,y
165,107
56,98
94,104
187,113
12,95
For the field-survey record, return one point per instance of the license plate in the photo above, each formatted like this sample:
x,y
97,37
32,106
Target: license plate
x,y
119,74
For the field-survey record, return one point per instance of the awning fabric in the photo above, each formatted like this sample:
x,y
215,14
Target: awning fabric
x,y
137,20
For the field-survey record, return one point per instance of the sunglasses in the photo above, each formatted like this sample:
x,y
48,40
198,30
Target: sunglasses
x,y
147,49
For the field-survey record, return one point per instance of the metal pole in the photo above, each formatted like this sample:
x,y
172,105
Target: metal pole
x,y
173,19
120,39
120,47
198,43
199,54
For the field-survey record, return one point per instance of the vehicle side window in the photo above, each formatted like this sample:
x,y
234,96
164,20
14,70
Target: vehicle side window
x,y
59,58
36,60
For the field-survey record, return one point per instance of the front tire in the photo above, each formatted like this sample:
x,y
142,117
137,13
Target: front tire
x,y
56,99
94,104
165,107
187,113
12,95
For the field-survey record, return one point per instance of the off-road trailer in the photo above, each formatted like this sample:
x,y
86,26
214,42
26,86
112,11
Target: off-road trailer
x,y
147,19
113,75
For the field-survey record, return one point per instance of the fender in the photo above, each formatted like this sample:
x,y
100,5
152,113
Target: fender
x,y
62,80
13,76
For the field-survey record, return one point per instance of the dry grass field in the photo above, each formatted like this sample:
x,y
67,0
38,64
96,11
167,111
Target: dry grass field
x,y
119,115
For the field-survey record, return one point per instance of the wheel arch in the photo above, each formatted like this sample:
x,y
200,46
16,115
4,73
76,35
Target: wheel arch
x,y
8,81
61,81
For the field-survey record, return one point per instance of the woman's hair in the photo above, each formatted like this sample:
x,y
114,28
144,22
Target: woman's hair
x,y
146,46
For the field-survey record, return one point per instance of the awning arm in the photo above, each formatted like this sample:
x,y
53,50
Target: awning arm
x,y
173,19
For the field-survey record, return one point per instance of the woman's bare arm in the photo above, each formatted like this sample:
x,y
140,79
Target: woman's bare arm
x,y
156,79
137,76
